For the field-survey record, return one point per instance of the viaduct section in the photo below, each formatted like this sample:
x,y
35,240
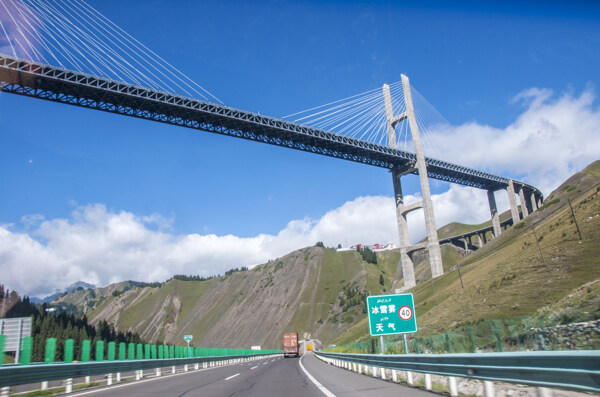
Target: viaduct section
x,y
32,79
530,198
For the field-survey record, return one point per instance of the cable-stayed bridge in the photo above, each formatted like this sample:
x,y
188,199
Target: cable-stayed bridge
x,y
98,66
55,84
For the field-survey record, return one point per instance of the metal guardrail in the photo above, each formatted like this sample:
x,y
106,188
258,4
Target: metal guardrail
x,y
578,369
22,374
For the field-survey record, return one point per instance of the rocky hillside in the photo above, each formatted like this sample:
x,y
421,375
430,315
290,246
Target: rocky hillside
x,y
316,292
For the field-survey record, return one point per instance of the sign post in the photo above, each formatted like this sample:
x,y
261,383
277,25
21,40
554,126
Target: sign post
x,y
391,315
188,339
15,330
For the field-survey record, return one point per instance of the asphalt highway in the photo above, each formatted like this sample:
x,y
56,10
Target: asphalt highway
x,y
261,378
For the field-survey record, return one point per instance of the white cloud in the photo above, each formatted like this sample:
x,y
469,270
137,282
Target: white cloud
x,y
99,246
553,138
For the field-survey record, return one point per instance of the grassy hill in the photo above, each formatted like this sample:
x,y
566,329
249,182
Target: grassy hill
x,y
315,291
507,278
320,293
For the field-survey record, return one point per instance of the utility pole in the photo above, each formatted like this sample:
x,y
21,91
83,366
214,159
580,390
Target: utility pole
x,y
575,219
538,245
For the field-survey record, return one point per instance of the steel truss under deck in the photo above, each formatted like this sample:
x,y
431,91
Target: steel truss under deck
x,y
51,83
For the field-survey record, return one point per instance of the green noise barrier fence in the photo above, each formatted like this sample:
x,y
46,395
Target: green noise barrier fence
x,y
124,352
110,359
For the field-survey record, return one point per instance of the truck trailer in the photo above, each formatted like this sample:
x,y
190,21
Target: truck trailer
x,y
290,344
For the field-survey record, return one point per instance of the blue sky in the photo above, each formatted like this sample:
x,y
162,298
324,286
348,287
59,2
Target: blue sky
x,y
469,59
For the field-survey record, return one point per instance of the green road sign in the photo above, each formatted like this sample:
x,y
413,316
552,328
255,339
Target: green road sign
x,y
188,338
391,314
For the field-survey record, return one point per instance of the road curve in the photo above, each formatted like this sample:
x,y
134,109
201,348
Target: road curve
x,y
261,378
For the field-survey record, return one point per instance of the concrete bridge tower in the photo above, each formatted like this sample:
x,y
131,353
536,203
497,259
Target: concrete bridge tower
x,y
432,244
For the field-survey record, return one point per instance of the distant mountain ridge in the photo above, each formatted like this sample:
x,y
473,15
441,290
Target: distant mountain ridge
x,y
55,295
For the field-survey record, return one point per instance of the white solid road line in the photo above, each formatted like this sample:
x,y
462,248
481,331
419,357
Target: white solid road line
x,y
316,382
232,376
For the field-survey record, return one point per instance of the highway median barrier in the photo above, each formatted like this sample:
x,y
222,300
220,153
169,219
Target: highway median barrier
x,y
59,362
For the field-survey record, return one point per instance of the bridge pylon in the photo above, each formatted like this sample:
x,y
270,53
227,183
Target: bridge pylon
x,y
432,244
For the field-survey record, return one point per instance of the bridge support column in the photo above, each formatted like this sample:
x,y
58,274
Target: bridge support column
x,y
524,207
533,202
406,263
514,210
494,212
433,244
480,243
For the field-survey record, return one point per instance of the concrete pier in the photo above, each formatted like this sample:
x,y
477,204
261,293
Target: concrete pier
x,y
433,245
524,207
534,205
494,213
406,264
514,210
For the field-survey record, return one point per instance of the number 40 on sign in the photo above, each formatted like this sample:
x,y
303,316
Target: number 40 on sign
x,y
391,314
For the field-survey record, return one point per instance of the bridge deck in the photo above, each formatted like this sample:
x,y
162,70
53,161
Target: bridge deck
x,y
60,85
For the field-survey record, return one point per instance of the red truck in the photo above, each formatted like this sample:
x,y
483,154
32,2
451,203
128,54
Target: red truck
x,y
290,344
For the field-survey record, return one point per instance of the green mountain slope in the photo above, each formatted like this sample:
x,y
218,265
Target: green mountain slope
x,y
508,278
315,291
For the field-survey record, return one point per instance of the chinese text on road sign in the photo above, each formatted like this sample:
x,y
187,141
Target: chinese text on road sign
x,y
391,314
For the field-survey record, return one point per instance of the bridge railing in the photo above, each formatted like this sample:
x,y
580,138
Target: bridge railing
x,y
577,370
